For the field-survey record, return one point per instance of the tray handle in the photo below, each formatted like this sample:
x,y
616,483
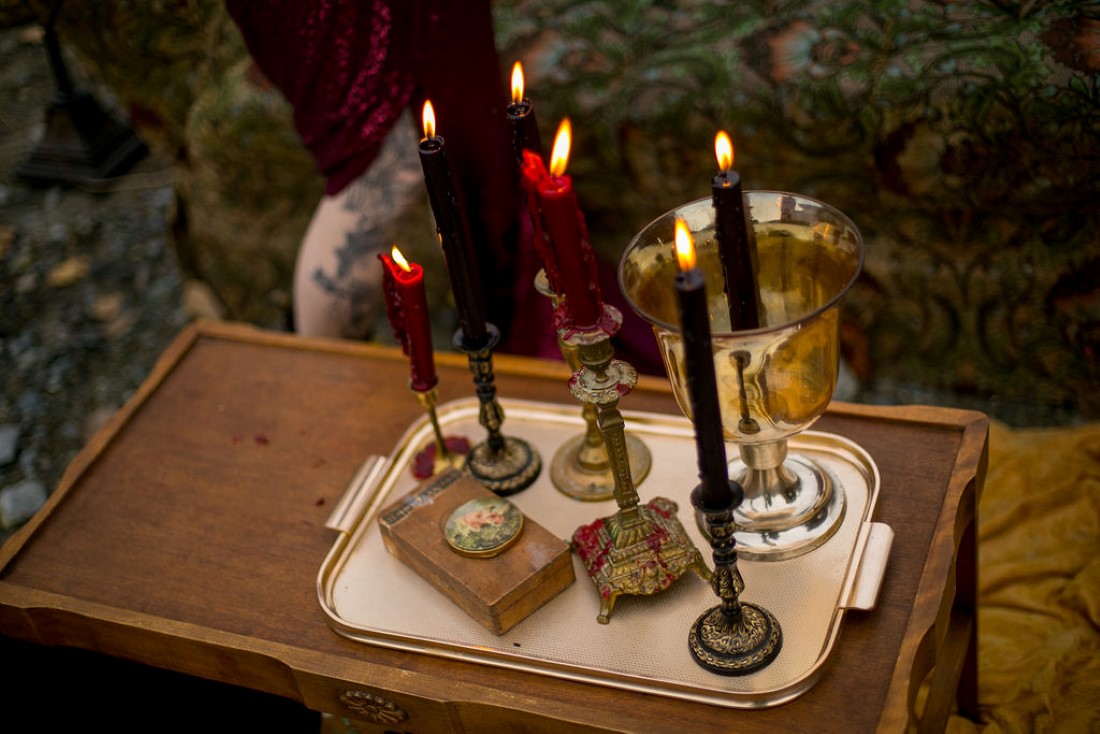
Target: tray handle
x,y
872,567
350,505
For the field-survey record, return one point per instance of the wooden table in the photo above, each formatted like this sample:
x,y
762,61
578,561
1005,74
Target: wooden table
x,y
187,537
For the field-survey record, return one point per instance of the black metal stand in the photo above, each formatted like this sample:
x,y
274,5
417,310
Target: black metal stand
x,y
504,464
733,638
83,144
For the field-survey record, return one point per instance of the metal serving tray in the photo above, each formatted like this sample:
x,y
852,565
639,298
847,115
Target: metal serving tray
x,y
370,596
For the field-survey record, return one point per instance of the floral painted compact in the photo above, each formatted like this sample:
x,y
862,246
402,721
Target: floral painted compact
x,y
483,527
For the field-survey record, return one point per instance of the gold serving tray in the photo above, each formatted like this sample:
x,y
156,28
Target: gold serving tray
x,y
370,596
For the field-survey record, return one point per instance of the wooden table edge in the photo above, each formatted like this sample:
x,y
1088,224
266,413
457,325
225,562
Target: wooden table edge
x,y
929,624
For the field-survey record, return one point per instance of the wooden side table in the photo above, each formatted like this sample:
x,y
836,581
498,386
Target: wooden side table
x,y
188,534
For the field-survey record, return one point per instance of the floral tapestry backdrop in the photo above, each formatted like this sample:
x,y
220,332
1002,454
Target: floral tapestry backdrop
x,y
960,137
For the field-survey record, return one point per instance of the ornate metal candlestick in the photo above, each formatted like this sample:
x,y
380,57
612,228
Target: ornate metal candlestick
x,y
83,144
446,453
733,638
504,464
641,549
581,467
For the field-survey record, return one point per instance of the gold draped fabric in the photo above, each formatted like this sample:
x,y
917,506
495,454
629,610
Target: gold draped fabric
x,y
1039,583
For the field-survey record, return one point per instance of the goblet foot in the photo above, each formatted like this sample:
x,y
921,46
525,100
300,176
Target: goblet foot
x,y
735,644
593,483
788,510
511,469
792,503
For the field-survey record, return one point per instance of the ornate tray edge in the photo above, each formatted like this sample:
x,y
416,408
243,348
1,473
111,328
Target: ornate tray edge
x,y
356,509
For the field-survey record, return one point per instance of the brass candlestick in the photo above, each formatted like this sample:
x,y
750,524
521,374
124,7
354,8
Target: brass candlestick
x,y
447,453
733,638
581,467
504,464
641,549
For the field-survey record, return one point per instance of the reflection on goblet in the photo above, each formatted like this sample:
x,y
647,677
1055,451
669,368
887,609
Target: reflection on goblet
x,y
774,381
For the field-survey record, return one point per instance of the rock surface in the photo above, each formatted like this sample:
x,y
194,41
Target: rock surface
x,y
90,293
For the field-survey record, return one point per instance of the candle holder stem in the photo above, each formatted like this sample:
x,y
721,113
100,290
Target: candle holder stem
x,y
504,464
734,637
592,453
443,457
581,467
642,548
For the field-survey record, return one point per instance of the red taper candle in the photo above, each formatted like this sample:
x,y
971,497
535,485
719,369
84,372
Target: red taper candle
x,y
561,234
410,319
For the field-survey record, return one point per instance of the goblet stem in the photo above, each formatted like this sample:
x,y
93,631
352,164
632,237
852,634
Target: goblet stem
x,y
767,477
782,491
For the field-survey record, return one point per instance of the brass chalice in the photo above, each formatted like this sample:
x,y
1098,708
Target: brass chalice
x,y
774,381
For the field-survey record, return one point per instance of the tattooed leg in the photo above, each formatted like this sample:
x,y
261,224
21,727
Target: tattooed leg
x,y
338,278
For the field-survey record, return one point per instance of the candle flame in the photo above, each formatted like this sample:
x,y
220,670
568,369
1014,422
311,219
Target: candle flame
x,y
398,258
723,150
517,83
685,245
559,156
429,119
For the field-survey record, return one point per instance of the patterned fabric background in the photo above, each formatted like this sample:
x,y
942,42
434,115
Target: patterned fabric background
x,y
962,138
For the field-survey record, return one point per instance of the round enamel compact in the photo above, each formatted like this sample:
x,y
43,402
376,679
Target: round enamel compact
x,y
483,527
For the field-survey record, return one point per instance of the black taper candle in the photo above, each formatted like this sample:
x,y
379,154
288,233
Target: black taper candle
x,y
454,236
702,383
521,117
525,130
736,243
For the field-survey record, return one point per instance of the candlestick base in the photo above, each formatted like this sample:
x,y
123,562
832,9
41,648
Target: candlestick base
x,y
583,472
430,461
735,644
510,469
733,638
640,551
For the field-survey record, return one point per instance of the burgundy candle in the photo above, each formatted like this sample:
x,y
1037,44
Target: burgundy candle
x,y
521,116
568,258
454,233
736,243
702,384
407,309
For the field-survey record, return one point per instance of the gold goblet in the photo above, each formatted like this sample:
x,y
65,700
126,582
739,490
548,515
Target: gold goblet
x,y
774,381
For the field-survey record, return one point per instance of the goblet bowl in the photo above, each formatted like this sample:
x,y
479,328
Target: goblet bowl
x,y
775,380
